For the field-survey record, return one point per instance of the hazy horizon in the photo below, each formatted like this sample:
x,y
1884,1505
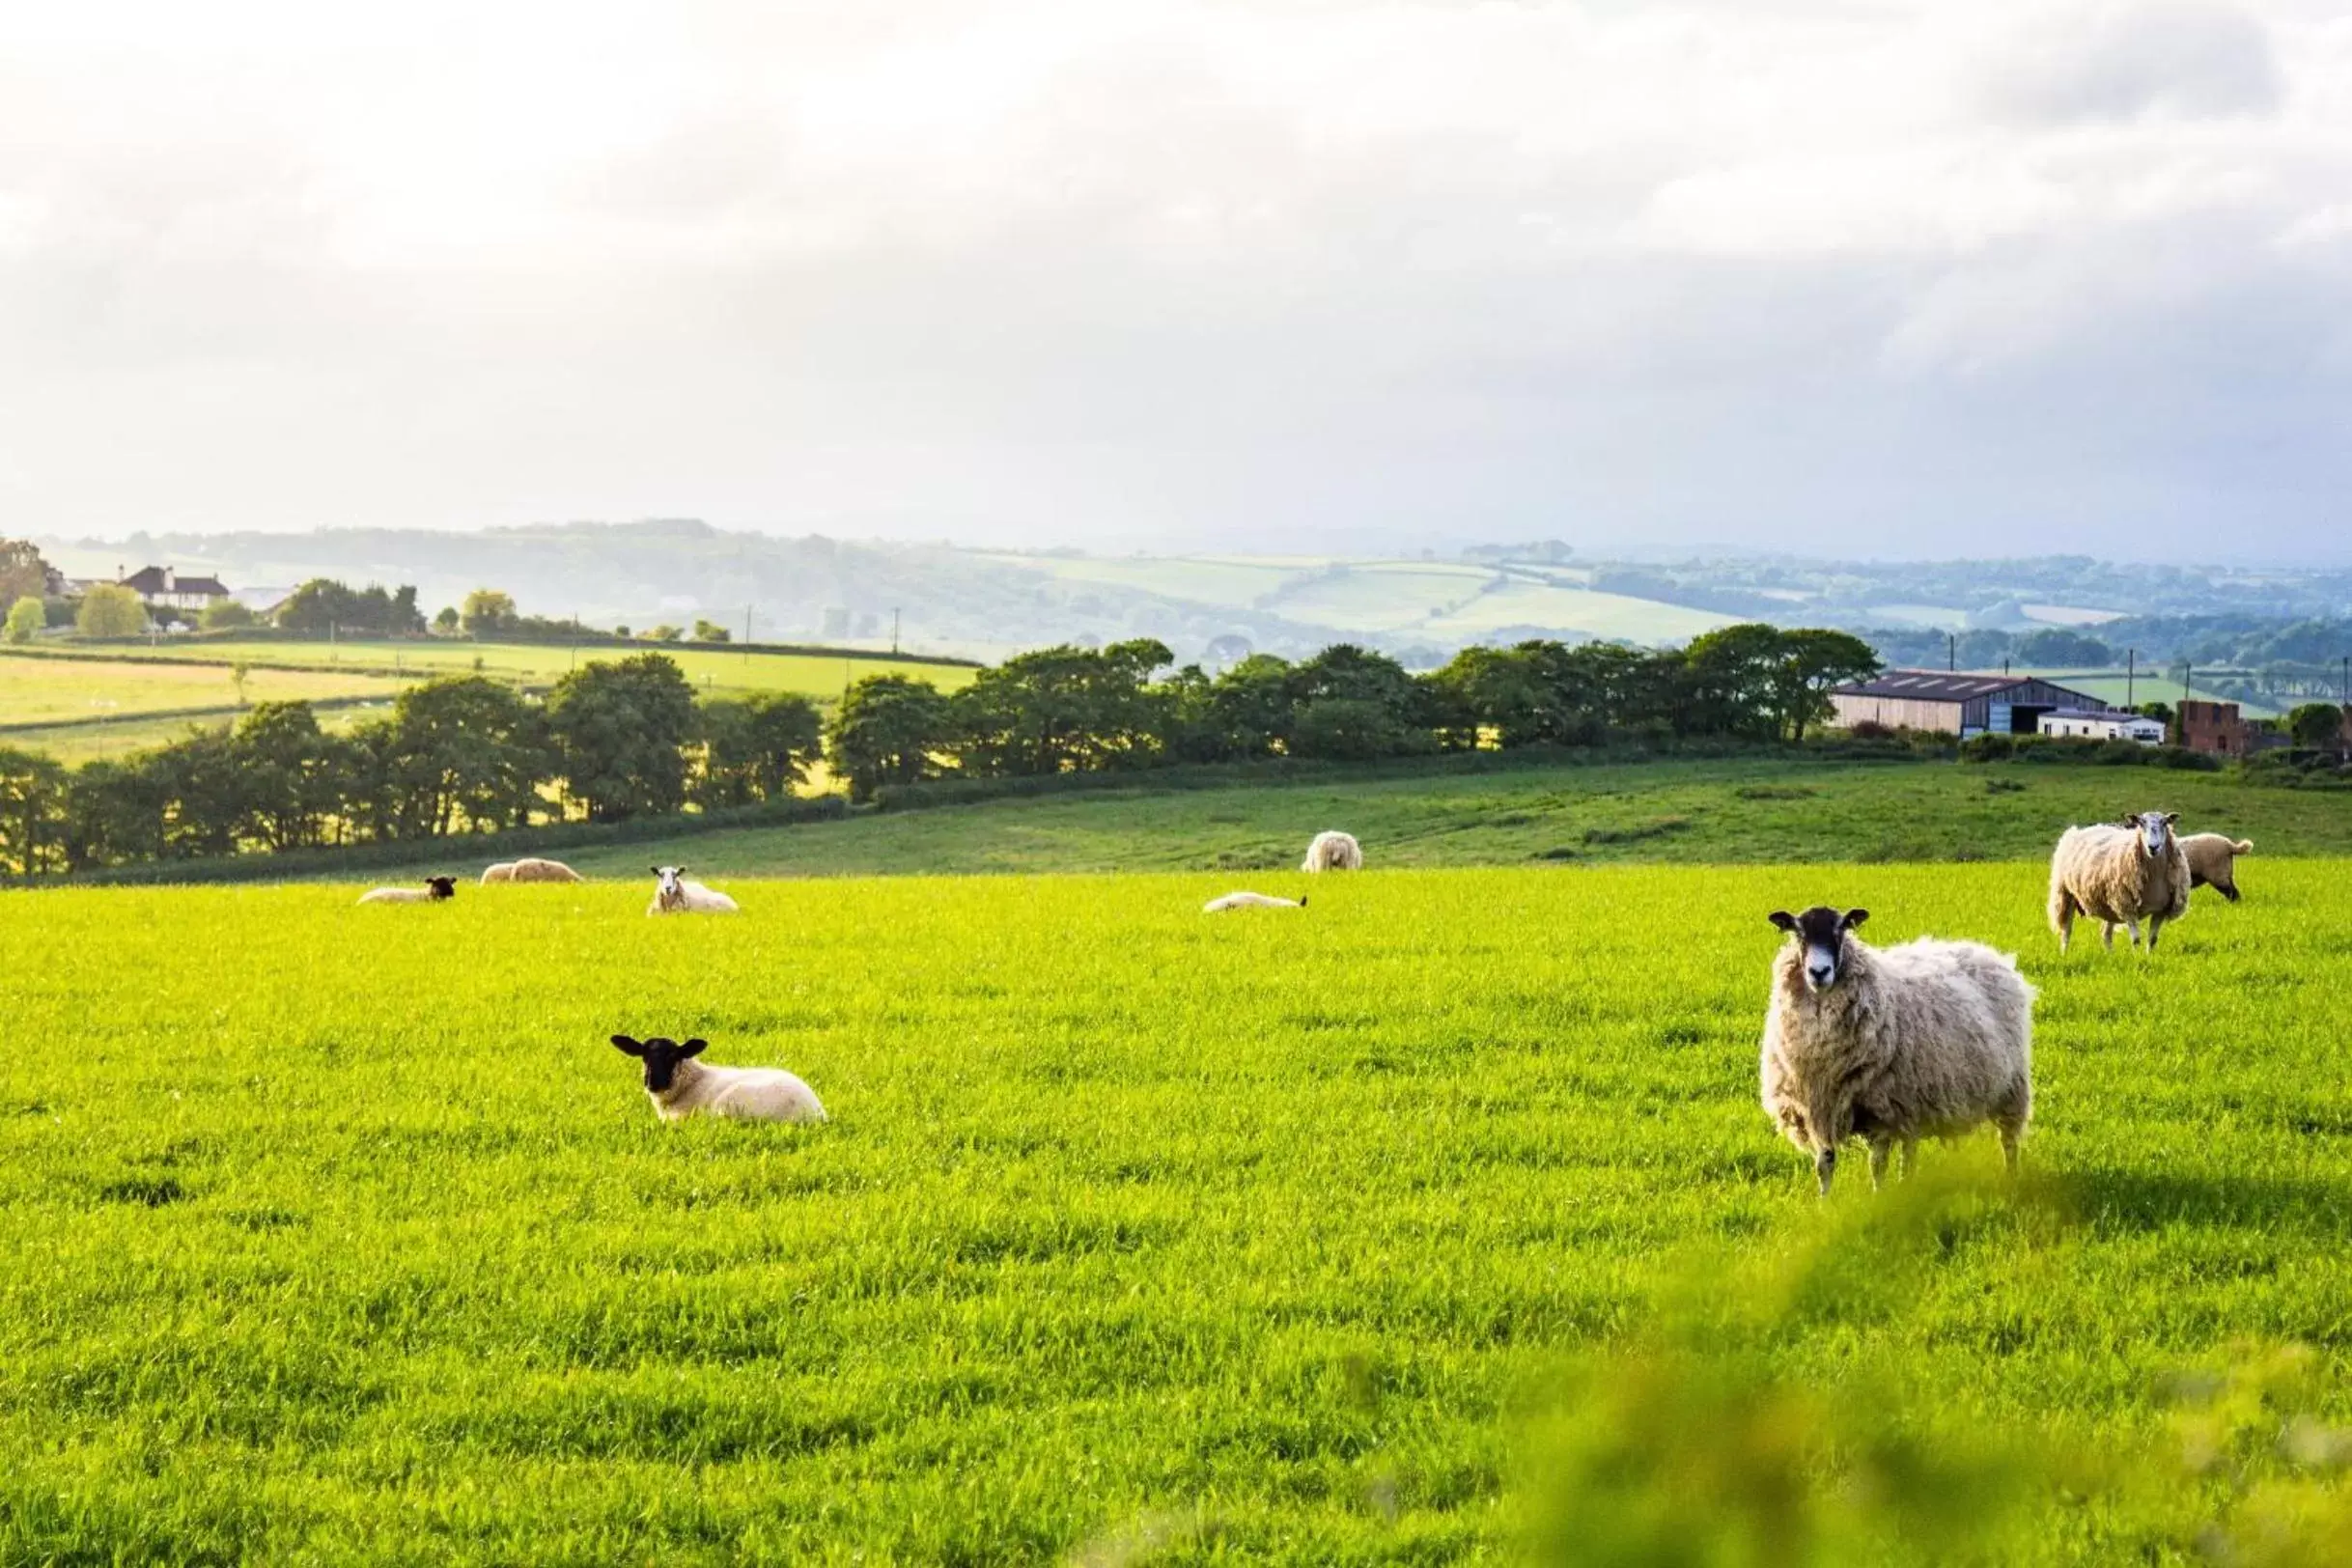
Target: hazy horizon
x,y
1863,281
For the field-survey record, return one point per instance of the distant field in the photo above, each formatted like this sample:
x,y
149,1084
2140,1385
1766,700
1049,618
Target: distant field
x,y
73,744
1139,1236
2114,686
45,689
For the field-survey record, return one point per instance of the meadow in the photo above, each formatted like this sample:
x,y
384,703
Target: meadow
x,y
1359,1233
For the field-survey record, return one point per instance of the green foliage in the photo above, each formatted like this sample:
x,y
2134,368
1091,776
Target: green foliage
x,y
711,632
26,617
621,730
2312,725
324,606
110,610
447,620
2057,648
487,612
23,574
757,748
459,754
32,812
887,731
225,615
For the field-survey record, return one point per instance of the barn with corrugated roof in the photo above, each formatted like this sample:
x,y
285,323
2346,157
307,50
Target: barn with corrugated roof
x,y
1956,704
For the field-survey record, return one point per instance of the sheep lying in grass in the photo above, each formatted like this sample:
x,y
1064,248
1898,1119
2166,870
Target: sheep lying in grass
x,y
435,891
1930,1039
502,872
530,870
2117,874
681,1086
1334,851
673,894
1250,901
2213,861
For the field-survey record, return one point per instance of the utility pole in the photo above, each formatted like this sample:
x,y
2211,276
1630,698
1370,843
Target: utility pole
x,y
747,634
894,633
2131,666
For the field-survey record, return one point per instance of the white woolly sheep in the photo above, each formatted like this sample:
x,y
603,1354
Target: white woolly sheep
x,y
1334,851
532,870
1250,901
1930,1039
435,891
502,872
673,894
2213,861
679,1086
2117,874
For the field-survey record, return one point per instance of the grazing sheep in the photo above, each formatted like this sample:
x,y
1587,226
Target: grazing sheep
x,y
1252,901
2117,873
1334,851
2213,861
681,1086
673,894
1930,1039
502,872
435,891
530,870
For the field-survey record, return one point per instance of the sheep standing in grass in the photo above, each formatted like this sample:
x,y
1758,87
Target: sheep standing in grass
x,y
435,891
2117,874
502,872
2213,861
531,870
1930,1039
1334,851
681,1086
1252,901
673,894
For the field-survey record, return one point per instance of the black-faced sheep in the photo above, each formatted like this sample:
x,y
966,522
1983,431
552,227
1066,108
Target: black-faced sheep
x,y
2213,861
435,891
679,1086
2119,873
1930,1039
1334,851
673,894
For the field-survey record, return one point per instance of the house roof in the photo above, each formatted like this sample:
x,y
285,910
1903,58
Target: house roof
x,y
148,580
1933,686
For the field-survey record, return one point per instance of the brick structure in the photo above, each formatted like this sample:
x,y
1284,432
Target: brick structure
x,y
2214,727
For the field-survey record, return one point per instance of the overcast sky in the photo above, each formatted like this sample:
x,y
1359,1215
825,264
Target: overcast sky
x,y
1844,276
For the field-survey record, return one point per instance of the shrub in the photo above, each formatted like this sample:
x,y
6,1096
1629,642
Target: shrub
x,y
111,610
25,618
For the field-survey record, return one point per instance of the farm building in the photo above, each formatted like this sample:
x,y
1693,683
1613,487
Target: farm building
x,y
1961,704
2074,723
160,587
2215,727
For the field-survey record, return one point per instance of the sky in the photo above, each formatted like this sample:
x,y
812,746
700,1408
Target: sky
x,y
1843,277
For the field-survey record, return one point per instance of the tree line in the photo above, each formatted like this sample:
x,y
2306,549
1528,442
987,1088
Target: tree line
x,y
627,738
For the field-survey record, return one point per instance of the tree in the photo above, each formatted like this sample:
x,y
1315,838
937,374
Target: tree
x,y
111,610
224,615
488,611
446,623
461,752
661,633
711,632
2058,647
622,730
2312,725
23,574
758,748
1349,704
25,618
1063,708
323,604
32,813
890,729
289,775
1811,663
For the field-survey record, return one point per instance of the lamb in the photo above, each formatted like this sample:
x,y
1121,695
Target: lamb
x,y
673,894
435,889
2117,873
1252,901
1928,1039
1334,851
2212,861
681,1086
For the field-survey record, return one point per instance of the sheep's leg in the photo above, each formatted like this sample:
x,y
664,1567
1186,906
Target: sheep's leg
x,y
1878,1160
2065,923
1825,1166
2134,923
2155,925
1910,1157
2107,933
2010,1133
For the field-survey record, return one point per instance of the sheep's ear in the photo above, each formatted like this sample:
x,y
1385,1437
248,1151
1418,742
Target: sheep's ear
x,y
693,1047
1854,917
2130,819
1784,920
654,871
2171,817
629,1045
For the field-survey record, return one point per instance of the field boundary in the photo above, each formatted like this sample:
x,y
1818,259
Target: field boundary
x,y
320,705
101,647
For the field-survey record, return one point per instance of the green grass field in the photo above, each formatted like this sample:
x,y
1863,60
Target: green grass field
x,y
49,690
339,1234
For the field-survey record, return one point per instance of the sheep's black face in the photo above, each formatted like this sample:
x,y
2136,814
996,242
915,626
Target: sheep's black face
x,y
1821,932
661,1057
441,886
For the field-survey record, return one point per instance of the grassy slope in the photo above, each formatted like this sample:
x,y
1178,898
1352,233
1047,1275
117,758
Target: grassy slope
x,y
344,1231
1764,810
56,690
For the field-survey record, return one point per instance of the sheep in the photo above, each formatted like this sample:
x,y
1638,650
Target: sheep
x,y
502,872
681,1086
529,870
1929,1039
2212,861
1252,901
435,889
2117,872
673,894
1334,851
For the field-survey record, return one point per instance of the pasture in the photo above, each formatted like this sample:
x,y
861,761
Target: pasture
x,y
342,1234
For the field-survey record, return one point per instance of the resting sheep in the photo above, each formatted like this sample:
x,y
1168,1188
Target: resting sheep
x,y
681,1086
502,872
1930,1039
1250,901
2118,873
1334,851
435,891
673,894
2213,861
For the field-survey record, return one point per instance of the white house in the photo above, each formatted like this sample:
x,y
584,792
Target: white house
x,y
2081,725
